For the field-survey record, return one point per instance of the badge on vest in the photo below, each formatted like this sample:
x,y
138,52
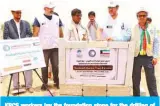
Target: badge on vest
x,y
108,26
122,27
43,23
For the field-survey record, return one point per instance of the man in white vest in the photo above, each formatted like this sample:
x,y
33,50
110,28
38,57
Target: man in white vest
x,y
48,28
76,31
146,53
114,28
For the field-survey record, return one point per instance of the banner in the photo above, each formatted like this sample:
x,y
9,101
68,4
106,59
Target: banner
x,y
80,101
20,55
94,64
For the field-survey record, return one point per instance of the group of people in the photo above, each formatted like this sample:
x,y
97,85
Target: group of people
x,y
48,27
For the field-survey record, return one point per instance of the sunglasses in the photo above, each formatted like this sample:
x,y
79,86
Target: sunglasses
x,y
142,16
78,15
17,12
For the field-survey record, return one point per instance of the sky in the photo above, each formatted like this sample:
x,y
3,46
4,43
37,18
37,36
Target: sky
x,y
128,8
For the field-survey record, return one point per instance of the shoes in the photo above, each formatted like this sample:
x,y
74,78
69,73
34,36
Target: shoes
x,y
15,90
30,90
18,91
43,88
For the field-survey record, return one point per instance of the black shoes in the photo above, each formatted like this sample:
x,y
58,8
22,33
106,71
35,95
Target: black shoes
x,y
43,88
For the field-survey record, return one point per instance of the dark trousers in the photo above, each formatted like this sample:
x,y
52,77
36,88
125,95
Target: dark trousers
x,y
146,62
52,55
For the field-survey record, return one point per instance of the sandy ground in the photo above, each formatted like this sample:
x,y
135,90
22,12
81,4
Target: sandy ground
x,y
37,85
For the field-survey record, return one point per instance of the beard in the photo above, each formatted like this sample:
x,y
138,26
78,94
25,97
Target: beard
x,y
17,18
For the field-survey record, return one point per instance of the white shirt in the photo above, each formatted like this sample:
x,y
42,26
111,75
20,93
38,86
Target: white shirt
x,y
116,29
18,28
92,30
76,32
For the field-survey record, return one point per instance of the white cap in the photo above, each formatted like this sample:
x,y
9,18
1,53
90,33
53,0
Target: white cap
x,y
50,5
113,4
142,9
16,8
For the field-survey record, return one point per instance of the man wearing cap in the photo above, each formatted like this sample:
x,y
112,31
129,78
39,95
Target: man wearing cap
x,y
114,28
18,29
146,53
76,31
48,28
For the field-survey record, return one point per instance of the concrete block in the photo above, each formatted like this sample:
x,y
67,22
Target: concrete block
x,y
70,89
94,90
119,90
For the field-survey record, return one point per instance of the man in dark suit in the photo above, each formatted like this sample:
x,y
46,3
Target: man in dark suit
x,y
18,29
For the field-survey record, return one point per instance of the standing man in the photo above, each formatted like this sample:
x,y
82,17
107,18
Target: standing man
x,y
92,25
18,29
76,32
146,53
114,29
50,66
48,28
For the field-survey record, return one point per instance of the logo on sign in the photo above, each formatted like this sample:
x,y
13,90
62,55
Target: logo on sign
x,y
79,53
6,48
92,53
